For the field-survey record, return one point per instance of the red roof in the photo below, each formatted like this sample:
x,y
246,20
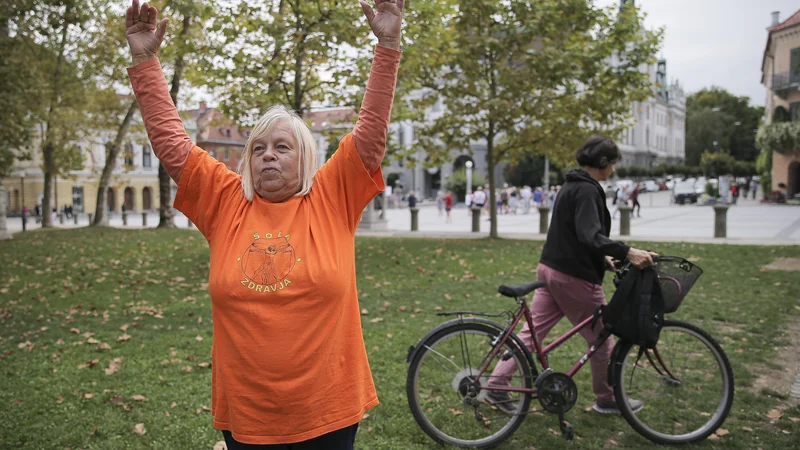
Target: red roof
x,y
793,20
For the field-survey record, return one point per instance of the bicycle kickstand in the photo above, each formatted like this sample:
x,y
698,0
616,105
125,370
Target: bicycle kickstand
x,y
567,430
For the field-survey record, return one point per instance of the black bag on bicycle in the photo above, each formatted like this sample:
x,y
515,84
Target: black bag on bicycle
x,y
636,311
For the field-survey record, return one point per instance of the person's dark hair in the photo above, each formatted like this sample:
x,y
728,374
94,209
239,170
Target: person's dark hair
x,y
598,152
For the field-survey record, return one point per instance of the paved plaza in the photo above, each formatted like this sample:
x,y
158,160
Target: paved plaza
x,y
749,222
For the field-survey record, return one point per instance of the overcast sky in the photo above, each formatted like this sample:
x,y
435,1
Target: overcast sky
x,y
714,42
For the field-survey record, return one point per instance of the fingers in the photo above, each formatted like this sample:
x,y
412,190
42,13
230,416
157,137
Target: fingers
x,y
368,12
161,31
129,17
401,4
135,7
144,14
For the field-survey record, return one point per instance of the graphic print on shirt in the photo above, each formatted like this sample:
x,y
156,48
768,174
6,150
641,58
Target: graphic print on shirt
x,y
267,262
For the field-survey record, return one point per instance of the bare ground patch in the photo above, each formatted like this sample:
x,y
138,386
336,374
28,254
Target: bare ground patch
x,y
785,264
780,381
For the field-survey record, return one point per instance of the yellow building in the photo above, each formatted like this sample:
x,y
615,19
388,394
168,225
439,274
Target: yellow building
x,y
780,71
134,182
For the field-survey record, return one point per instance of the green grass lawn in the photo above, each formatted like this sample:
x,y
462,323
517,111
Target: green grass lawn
x,y
101,330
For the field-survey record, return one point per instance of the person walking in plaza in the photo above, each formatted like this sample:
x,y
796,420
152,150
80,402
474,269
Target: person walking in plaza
x,y
448,206
734,193
440,202
290,370
37,209
637,207
754,188
538,197
575,257
480,198
412,200
622,199
527,197
745,187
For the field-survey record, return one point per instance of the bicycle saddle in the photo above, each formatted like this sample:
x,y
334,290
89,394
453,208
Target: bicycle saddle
x,y
519,290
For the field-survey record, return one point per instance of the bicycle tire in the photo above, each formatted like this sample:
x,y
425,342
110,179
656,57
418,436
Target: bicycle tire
x,y
678,386
490,330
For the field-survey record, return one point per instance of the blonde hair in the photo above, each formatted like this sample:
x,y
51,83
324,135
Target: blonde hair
x,y
307,149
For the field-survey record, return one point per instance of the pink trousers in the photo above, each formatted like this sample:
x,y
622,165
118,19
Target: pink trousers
x,y
577,299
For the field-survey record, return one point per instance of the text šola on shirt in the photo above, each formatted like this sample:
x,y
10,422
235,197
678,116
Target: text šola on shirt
x,y
289,362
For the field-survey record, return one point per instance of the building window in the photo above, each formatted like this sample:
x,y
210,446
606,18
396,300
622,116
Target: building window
x,y
227,154
793,110
128,155
213,153
146,150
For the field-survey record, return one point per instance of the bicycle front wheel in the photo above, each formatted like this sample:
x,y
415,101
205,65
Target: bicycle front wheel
x,y
686,384
452,402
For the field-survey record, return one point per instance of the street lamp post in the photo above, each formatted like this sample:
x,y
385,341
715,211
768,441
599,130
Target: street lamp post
x,y
22,203
468,165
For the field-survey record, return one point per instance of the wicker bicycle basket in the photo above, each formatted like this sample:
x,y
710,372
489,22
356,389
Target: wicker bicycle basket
x,y
677,276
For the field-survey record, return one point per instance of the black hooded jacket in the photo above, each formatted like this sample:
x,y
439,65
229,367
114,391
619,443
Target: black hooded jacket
x,y
578,242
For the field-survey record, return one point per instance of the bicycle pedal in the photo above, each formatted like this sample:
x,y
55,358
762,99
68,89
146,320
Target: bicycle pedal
x,y
567,431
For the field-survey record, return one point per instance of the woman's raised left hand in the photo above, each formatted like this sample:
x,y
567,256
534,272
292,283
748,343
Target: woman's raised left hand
x,y
386,22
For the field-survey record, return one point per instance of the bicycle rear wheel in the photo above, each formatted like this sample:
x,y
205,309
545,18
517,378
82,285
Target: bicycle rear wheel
x,y
686,383
448,400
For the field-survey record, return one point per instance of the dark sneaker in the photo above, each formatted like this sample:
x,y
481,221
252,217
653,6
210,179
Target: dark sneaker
x,y
611,408
502,401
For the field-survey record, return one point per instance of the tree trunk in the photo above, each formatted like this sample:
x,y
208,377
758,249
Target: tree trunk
x,y
47,147
166,217
4,234
490,163
112,152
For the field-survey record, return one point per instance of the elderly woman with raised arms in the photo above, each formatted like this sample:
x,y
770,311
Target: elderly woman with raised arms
x,y
290,370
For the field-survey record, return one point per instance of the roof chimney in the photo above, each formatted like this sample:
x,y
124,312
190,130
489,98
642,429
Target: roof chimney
x,y
775,18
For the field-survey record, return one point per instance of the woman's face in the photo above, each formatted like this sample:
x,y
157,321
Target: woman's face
x,y
274,163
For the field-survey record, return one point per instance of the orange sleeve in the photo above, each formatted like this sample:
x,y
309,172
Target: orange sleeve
x,y
373,119
164,126
208,191
344,184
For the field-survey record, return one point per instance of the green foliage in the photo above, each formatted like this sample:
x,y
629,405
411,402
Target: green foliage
x,y
716,164
704,125
712,190
457,182
764,170
622,172
535,77
779,137
530,171
258,54
781,115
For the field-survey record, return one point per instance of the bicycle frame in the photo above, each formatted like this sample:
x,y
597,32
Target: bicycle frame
x,y
541,353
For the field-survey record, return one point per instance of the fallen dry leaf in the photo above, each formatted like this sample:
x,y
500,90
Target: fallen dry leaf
x,y
713,437
139,429
437,308
198,338
447,296
365,416
721,432
113,366
794,419
173,404
747,429
364,312
774,414
88,395
377,319
389,335
123,338
456,412
60,400
186,369
104,346
139,398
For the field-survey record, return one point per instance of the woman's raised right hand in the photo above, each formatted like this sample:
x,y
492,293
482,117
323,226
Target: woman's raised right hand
x,y
144,38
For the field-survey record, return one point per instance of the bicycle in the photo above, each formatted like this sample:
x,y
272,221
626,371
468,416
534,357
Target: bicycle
x,y
458,403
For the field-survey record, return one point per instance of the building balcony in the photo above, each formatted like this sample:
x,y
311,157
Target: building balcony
x,y
783,83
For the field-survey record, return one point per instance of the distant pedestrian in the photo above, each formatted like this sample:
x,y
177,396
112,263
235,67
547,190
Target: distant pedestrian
x,y
38,211
637,207
754,188
468,201
412,200
527,197
513,201
734,192
480,198
538,197
448,205
745,189
440,202
622,199
551,196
